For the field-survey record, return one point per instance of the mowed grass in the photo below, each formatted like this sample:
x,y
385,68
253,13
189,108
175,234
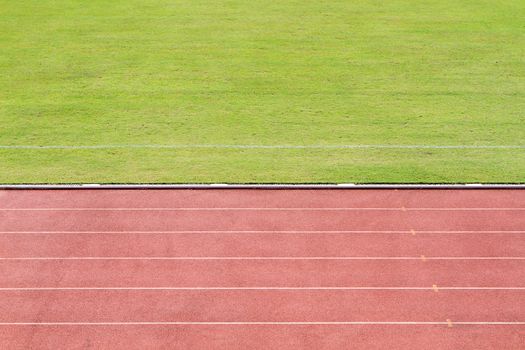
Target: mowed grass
x,y
255,72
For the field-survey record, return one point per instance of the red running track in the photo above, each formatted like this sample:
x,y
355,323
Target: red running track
x,y
262,269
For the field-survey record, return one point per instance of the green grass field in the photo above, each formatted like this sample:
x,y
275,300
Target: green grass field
x,y
243,72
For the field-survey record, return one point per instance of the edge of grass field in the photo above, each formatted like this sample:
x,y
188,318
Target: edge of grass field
x,y
274,186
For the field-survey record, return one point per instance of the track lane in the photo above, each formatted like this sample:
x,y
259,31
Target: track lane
x,y
263,337
45,244
200,198
262,273
261,306
322,220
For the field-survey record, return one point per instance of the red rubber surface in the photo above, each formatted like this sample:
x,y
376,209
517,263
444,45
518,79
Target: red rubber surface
x,y
250,269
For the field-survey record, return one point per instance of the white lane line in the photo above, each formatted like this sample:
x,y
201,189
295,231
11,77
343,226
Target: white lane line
x,y
262,258
269,232
36,289
300,323
269,209
254,146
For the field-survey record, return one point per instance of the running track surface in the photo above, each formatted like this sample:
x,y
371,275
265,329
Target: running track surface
x,y
262,269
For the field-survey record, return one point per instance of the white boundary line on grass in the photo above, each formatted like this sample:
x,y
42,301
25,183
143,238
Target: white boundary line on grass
x,y
233,146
